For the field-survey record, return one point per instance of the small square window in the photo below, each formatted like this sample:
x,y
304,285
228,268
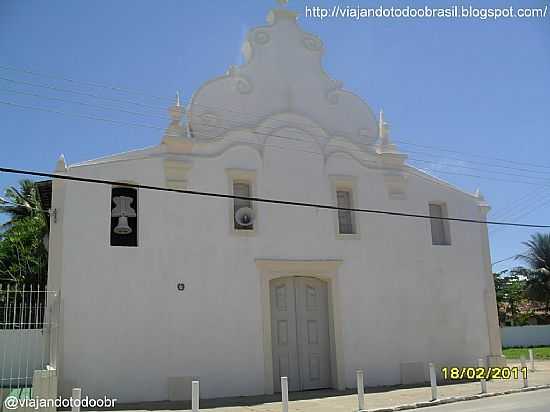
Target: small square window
x,y
124,216
346,218
243,215
439,227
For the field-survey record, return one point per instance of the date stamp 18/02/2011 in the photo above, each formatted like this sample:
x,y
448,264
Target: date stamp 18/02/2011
x,y
477,373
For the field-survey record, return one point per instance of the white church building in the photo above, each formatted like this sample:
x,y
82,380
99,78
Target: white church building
x,y
159,287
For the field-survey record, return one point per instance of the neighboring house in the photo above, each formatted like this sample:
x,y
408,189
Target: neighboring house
x,y
159,287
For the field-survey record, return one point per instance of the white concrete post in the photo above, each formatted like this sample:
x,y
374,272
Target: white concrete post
x,y
195,396
433,380
481,364
76,398
523,374
360,390
284,393
532,359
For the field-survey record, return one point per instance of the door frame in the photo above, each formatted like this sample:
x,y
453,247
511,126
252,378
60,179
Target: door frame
x,y
325,270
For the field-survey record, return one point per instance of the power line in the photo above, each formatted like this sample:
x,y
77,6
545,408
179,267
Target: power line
x,y
507,167
132,124
521,215
123,123
95,96
503,260
232,111
528,207
86,83
285,123
527,197
250,115
85,116
85,104
477,169
261,200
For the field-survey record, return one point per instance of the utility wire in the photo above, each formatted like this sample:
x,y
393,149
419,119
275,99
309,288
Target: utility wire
x,y
142,125
85,116
86,83
110,108
506,167
86,104
547,180
518,201
243,125
250,115
529,206
503,260
95,96
256,132
285,123
123,123
262,200
521,215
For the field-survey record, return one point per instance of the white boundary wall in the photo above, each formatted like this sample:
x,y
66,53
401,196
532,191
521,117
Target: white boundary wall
x,y
533,335
22,352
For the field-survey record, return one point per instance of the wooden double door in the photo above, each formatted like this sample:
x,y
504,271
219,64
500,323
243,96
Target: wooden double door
x,y
300,332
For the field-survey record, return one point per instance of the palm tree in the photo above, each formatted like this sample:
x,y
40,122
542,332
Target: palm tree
x,y
537,256
23,254
20,202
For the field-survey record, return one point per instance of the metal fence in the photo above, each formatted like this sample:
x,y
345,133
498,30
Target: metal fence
x,y
27,334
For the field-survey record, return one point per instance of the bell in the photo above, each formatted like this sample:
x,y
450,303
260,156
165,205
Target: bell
x,y
122,228
123,210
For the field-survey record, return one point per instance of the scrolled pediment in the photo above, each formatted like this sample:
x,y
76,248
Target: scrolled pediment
x,y
282,74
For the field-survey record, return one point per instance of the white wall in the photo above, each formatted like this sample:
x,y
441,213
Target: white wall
x,y
21,353
533,335
126,326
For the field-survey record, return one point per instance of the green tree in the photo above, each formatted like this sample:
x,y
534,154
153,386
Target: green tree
x,y
23,255
19,203
510,294
537,257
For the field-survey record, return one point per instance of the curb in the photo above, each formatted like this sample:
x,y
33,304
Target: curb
x,y
454,399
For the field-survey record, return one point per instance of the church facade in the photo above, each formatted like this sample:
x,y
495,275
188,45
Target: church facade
x,y
160,287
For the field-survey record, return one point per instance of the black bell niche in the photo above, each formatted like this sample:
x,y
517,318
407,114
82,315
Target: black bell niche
x,y
124,216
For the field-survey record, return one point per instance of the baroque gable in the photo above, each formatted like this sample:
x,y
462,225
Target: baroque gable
x,y
282,73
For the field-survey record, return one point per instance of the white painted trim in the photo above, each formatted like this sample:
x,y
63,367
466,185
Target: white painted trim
x,y
326,270
175,173
121,157
489,295
413,171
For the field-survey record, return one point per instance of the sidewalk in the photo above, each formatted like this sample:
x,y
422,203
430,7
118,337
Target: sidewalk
x,y
375,398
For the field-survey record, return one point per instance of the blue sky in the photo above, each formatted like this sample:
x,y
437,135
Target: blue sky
x,y
478,89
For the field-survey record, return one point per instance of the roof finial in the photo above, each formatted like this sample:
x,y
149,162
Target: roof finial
x,y
175,129
380,122
176,111
61,164
479,195
383,130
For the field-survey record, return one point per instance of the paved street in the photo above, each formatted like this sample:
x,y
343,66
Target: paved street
x,y
537,401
